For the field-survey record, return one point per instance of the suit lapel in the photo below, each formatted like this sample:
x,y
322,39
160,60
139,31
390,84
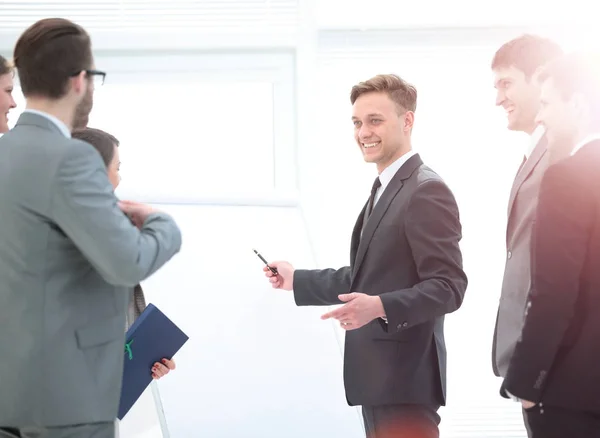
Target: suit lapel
x,y
358,226
535,157
381,207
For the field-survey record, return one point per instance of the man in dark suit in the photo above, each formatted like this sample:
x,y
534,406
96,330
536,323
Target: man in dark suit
x,y
555,368
405,273
70,252
514,66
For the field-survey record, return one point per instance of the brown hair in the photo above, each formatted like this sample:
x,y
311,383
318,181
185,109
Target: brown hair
x,y
50,52
103,142
400,92
575,73
5,66
527,53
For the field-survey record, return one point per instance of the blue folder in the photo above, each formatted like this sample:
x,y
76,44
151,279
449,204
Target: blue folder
x,y
150,338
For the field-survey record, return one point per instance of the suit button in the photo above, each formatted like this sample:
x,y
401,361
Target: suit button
x,y
402,325
509,255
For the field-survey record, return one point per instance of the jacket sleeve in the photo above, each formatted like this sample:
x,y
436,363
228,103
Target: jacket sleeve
x,y
321,287
85,208
433,231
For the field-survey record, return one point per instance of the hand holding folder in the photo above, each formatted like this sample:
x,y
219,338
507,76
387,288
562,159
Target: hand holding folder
x,y
162,368
152,337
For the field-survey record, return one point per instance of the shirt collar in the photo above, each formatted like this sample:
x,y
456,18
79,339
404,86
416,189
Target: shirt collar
x,y
388,173
534,139
61,126
590,138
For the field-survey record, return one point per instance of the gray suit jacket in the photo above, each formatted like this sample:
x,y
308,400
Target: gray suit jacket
x,y
68,261
517,272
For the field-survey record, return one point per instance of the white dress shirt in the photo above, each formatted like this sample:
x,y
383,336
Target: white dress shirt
x,y
388,173
59,124
534,139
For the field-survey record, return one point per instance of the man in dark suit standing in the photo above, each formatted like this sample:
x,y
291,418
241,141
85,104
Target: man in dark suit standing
x,y
555,368
514,66
405,273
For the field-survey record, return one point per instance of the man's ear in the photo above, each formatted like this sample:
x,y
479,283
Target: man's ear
x,y
409,120
535,77
79,83
579,106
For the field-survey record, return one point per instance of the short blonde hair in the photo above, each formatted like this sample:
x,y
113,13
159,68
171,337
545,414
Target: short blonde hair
x,y
400,92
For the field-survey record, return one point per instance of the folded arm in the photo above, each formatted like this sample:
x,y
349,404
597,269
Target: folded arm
x,y
85,208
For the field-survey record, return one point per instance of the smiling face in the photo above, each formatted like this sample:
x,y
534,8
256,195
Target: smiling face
x,y
381,128
7,102
519,96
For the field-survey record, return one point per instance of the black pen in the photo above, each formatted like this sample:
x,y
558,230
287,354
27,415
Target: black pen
x,y
273,270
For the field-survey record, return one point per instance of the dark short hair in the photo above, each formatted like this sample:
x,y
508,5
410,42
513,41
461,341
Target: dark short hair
x,y
48,54
575,73
5,66
399,91
527,53
103,142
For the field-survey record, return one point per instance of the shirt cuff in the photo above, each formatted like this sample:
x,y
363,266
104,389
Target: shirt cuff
x,y
512,397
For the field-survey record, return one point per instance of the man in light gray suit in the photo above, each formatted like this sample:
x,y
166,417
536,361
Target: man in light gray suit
x,y
515,65
70,252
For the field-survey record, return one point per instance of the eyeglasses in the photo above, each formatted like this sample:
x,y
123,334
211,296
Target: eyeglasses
x,y
97,76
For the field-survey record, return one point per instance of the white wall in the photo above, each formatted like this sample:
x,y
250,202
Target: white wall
x,y
255,364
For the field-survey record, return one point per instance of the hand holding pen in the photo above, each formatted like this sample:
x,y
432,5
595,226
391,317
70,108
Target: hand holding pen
x,y
272,269
280,274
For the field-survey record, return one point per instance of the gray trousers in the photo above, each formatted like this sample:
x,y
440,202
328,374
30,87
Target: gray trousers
x,y
97,430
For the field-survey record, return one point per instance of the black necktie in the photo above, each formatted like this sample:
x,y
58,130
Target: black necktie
x,y
376,185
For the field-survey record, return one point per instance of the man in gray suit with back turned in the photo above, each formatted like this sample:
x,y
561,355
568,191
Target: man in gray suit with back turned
x,y
515,65
70,252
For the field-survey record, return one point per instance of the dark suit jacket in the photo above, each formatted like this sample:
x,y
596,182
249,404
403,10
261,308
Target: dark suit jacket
x,y
557,360
516,283
408,255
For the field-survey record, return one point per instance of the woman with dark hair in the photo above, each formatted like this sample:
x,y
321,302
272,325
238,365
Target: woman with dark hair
x,y
6,88
108,147
135,420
